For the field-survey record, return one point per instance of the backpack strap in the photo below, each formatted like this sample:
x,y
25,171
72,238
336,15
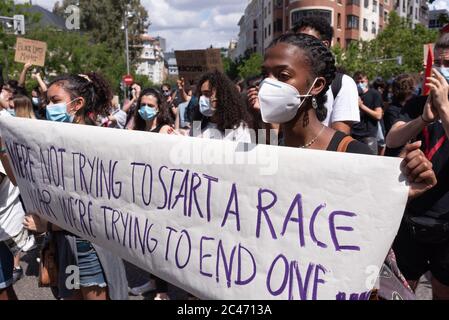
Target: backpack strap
x,y
344,144
337,84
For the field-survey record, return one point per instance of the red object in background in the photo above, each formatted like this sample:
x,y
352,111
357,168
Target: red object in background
x,y
429,67
128,80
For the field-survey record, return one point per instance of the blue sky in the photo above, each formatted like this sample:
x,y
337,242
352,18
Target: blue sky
x,y
189,24
197,24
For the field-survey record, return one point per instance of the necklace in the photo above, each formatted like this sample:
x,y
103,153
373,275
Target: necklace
x,y
311,143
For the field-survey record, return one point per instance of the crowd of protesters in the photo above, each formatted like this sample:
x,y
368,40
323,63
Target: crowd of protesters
x,y
302,97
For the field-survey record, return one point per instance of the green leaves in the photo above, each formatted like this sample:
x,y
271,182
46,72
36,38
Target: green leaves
x,y
397,39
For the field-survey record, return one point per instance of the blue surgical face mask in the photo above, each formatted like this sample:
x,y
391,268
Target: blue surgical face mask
x,y
58,112
363,86
206,108
147,113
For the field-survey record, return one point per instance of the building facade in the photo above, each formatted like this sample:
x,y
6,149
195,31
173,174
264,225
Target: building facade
x,y
251,30
416,11
152,62
438,19
352,20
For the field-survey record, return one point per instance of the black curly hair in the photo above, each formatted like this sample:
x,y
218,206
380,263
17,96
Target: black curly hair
x,y
319,24
403,87
164,115
231,107
93,88
321,62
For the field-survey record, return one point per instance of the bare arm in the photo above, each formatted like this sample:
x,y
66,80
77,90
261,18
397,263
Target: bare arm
x,y
402,132
6,164
41,82
23,75
376,114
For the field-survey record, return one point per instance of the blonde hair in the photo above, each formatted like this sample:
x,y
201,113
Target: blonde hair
x,y
23,107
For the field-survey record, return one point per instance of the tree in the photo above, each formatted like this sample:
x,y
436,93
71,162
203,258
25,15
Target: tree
x,y
378,57
104,20
71,52
251,67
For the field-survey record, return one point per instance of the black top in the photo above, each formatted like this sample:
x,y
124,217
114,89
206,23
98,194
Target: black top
x,y
368,126
391,115
354,147
434,203
158,128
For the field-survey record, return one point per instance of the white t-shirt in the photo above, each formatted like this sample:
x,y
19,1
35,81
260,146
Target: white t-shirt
x,y
121,118
345,107
241,134
11,210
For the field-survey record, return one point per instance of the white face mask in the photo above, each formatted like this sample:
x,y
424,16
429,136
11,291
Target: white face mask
x,y
279,101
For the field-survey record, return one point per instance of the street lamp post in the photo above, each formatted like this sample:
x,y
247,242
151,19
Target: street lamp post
x,y
127,42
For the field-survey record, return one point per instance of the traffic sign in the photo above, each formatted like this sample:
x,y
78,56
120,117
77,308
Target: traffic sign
x,y
128,80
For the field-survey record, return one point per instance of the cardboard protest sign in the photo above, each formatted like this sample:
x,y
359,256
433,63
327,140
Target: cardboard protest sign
x,y
219,219
194,63
30,51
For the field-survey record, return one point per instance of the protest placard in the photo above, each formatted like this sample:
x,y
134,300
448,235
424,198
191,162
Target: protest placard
x,y
219,219
194,63
30,51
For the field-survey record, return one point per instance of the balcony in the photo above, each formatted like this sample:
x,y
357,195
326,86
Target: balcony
x,y
353,3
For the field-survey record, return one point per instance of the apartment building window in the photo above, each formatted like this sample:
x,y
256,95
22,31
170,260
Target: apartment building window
x,y
366,3
277,27
365,25
269,7
374,5
339,1
353,2
403,7
339,21
255,38
386,16
279,4
416,13
352,22
373,28
301,14
255,24
381,10
339,41
266,32
265,13
269,30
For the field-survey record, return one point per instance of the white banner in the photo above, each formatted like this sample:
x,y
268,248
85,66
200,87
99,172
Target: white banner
x,y
218,219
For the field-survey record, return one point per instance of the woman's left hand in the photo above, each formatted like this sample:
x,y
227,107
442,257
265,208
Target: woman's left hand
x,y
418,170
35,224
440,91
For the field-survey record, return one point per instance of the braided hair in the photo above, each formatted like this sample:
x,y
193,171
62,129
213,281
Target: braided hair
x,y
231,108
320,60
93,88
164,117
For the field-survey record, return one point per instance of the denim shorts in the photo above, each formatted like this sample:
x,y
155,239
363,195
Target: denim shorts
x,y
6,266
91,271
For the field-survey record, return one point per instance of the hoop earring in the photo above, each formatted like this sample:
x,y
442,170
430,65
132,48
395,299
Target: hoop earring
x,y
314,103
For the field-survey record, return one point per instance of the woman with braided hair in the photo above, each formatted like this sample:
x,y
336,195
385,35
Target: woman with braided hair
x,y
298,71
80,99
